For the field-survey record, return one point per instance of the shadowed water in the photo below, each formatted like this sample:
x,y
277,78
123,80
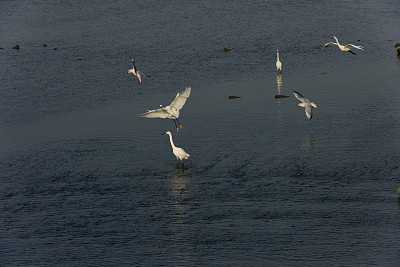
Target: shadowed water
x,y
85,181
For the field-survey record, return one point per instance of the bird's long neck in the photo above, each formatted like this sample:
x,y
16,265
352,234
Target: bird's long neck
x,y
277,55
170,139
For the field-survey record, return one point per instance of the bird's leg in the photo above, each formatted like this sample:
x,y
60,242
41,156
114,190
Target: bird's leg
x,y
352,52
178,162
179,123
183,166
177,129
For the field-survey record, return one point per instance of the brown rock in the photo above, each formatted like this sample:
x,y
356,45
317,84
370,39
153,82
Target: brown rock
x,y
397,45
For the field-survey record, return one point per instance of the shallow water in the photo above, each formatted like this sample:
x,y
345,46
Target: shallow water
x,y
85,181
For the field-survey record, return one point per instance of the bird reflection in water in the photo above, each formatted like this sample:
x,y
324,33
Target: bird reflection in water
x,y
179,193
279,83
307,143
179,205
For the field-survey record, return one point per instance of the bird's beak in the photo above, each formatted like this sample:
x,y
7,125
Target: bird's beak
x,y
164,134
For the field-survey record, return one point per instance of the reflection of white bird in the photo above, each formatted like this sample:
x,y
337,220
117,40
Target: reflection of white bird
x,y
137,73
171,111
279,82
278,63
344,48
179,153
305,103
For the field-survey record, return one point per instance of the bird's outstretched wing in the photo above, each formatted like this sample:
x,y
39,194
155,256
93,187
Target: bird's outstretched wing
x,y
354,46
300,97
143,74
181,98
133,64
308,110
329,44
156,113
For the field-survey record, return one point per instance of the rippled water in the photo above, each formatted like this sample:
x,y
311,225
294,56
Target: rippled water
x,y
84,181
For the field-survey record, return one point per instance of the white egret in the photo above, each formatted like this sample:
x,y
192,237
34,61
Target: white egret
x,y
305,103
171,111
137,73
344,48
278,63
179,153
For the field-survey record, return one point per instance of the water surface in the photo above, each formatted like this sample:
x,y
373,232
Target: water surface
x,y
85,181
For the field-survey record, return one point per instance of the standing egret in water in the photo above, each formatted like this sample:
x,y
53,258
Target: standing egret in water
x,y
305,103
137,73
179,153
344,48
171,111
278,63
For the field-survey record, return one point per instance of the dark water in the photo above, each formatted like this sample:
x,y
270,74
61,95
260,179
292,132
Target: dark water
x,y
85,182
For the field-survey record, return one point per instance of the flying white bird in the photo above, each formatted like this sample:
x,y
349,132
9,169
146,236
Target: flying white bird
x,y
171,111
305,103
344,48
278,63
179,153
136,72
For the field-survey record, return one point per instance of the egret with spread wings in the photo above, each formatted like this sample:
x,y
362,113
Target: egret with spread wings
x,y
344,48
171,111
305,103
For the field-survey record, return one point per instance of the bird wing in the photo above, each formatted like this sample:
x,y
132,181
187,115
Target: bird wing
x,y
329,44
181,153
143,74
354,46
156,113
308,110
180,99
134,67
300,97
